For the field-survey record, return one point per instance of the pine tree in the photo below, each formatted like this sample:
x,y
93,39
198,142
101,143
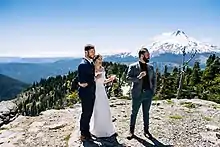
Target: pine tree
x,y
167,86
158,77
196,75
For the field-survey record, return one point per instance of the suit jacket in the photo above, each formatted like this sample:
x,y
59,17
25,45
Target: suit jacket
x,y
133,71
86,74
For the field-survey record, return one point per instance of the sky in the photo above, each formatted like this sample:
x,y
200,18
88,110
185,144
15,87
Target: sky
x,y
56,28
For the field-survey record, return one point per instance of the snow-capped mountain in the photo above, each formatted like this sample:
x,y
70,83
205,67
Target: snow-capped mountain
x,y
175,42
167,48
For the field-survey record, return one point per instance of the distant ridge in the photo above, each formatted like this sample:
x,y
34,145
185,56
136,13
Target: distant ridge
x,y
10,87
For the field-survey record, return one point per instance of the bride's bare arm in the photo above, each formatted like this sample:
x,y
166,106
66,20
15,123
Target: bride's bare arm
x,y
107,80
110,79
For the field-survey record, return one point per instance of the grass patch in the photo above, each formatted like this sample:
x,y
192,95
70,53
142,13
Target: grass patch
x,y
189,105
207,118
156,98
188,111
170,101
2,129
67,138
125,97
176,117
216,106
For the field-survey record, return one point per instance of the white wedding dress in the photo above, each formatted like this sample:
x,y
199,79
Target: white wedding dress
x,y
101,121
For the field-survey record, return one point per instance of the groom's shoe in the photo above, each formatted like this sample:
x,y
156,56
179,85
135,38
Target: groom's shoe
x,y
130,135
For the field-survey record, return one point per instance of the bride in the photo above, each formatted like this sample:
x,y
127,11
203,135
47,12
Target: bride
x,y
101,122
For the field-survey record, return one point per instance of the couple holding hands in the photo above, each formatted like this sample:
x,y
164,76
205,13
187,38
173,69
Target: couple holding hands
x,y
96,119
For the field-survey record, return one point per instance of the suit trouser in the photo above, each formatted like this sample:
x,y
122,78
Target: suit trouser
x,y
87,102
145,99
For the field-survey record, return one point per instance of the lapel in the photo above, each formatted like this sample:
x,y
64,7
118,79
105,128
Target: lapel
x,y
139,68
86,61
149,71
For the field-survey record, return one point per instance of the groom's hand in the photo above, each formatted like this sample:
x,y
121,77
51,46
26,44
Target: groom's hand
x,y
83,85
98,76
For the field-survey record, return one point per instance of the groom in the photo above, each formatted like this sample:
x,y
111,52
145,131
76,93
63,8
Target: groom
x,y
143,79
86,75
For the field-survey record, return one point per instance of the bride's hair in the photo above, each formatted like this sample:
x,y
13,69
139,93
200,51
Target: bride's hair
x,y
96,57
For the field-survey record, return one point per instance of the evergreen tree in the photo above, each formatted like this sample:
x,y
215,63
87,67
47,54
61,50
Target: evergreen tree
x,y
196,75
158,77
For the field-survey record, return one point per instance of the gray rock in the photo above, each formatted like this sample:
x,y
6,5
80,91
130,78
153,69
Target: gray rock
x,y
57,126
169,125
218,135
2,116
6,106
7,119
1,122
5,112
212,128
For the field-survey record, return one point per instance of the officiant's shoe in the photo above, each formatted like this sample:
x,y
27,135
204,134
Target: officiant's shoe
x,y
115,135
85,138
147,134
131,133
82,138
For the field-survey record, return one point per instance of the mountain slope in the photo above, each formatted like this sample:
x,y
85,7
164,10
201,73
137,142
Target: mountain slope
x,y
10,87
172,123
30,72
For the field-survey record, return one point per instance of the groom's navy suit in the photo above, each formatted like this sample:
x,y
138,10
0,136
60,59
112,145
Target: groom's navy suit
x,y
86,74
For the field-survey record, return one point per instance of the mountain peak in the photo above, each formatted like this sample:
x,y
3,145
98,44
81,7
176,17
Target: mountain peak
x,y
174,42
179,33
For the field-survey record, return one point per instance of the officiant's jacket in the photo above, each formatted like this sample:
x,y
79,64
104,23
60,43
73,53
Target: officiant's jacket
x,y
136,84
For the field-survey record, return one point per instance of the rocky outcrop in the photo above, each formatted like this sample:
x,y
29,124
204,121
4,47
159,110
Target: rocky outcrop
x,y
178,123
50,129
8,112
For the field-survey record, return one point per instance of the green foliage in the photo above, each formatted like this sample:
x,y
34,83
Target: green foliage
x,y
188,105
207,118
170,101
10,87
72,98
203,84
58,92
50,93
196,75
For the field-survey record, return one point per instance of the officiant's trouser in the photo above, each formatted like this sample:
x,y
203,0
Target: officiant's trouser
x,y
145,99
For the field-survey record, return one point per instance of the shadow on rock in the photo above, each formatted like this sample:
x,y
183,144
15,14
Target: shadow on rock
x,y
154,140
103,142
